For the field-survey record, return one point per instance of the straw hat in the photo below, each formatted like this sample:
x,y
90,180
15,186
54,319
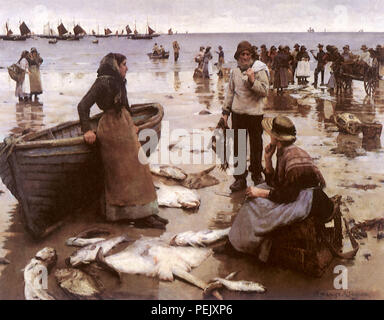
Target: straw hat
x,y
280,127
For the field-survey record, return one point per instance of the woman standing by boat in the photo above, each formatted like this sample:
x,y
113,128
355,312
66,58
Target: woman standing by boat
x,y
35,61
24,68
129,190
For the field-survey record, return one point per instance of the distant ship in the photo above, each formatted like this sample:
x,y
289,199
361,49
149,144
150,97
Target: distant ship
x,y
170,32
361,30
311,30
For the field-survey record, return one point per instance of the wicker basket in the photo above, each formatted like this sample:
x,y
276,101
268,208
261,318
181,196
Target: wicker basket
x,y
302,247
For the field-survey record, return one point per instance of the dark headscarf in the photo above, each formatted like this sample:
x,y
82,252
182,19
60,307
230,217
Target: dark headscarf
x,y
109,71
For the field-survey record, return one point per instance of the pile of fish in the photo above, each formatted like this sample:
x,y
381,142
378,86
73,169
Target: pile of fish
x,y
359,229
152,257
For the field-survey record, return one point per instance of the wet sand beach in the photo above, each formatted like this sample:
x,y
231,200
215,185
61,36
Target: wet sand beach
x,y
347,162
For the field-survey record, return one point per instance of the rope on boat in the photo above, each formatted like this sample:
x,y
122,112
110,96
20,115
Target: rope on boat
x,y
9,144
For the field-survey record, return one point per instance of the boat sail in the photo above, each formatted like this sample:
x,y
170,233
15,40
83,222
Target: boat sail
x,y
107,31
79,31
128,29
170,32
10,36
24,30
151,31
62,30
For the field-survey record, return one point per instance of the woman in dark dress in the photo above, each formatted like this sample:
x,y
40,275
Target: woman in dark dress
x,y
129,190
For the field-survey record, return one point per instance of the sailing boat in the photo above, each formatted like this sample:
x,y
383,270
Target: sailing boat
x,y
24,30
148,36
79,31
11,37
63,34
170,32
107,33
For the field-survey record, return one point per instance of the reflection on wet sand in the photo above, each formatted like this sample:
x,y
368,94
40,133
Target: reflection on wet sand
x,y
29,118
204,91
176,81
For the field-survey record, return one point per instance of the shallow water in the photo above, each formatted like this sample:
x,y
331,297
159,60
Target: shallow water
x,y
345,161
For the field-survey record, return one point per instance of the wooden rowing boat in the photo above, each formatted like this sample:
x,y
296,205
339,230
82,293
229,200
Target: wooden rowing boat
x,y
158,56
53,172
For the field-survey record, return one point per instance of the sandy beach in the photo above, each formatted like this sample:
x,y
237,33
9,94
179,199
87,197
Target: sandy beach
x,y
348,164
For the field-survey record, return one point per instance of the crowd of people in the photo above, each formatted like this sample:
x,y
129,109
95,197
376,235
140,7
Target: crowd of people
x,y
29,63
285,65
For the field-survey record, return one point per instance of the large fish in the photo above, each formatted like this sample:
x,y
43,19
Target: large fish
x,y
199,238
153,257
78,284
36,275
177,197
168,171
88,253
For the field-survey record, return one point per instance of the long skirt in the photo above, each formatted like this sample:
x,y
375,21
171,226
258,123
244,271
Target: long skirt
x,y
19,91
129,189
35,80
303,69
260,216
281,78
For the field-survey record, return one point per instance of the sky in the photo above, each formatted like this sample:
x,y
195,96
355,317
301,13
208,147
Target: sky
x,y
198,15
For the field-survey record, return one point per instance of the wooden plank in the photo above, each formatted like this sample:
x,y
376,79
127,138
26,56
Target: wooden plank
x,y
40,176
53,168
52,151
79,159
42,201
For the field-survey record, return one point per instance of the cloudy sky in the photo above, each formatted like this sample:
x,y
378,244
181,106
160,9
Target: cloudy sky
x,y
199,15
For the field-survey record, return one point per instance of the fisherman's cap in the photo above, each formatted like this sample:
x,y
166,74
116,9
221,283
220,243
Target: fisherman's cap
x,y
363,47
243,46
281,48
202,48
320,45
378,46
263,46
296,45
280,127
220,47
33,49
346,47
303,48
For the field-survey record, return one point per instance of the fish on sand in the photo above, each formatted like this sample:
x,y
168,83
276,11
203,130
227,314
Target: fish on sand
x,y
78,284
36,275
199,238
242,285
168,171
153,257
88,253
177,196
82,242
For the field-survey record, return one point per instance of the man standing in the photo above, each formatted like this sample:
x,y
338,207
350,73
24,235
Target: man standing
x,y
176,50
220,61
245,99
365,55
320,65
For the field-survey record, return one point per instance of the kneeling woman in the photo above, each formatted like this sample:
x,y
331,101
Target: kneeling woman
x,y
293,192
129,190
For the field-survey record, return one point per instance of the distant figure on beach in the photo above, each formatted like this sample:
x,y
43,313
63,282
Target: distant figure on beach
x,y
245,100
199,59
294,63
23,64
303,70
207,60
320,65
129,193
271,55
287,51
176,50
347,54
34,61
161,51
255,53
264,54
365,55
220,61
280,66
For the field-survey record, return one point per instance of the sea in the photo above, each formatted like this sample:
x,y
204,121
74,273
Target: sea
x,y
84,56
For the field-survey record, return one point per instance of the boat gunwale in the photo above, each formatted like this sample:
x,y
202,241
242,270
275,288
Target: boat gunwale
x,y
52,143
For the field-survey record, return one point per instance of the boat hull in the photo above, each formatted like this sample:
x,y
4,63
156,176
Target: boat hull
x,y
54,172
155,56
